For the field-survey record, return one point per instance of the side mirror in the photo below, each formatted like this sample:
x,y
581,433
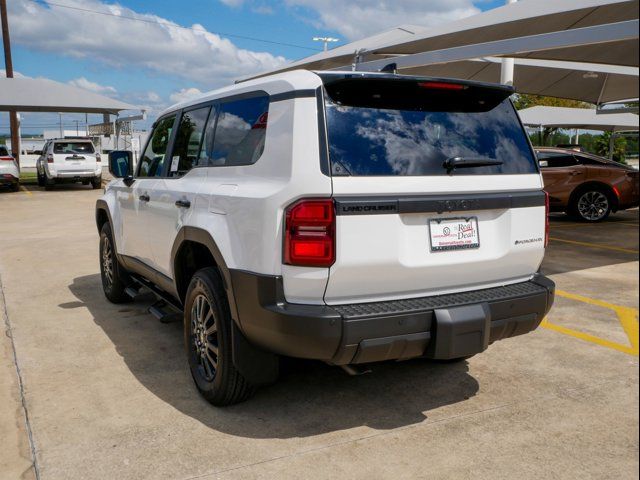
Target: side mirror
x,y
121,163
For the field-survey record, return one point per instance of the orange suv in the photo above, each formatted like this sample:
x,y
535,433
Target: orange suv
x,y
586,186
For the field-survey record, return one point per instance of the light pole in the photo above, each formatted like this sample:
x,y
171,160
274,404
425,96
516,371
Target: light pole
x,y
325,41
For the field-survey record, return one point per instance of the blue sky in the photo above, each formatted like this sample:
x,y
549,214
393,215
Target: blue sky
x,y
153,61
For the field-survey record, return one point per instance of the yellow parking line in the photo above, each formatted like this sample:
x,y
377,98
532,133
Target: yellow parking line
x,y
628,318
25,190
594,245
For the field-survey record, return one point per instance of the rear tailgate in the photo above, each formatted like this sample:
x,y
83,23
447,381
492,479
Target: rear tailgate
x,y
407,226
74,157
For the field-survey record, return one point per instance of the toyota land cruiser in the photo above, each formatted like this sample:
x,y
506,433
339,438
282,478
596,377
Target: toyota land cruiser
x,y
339,216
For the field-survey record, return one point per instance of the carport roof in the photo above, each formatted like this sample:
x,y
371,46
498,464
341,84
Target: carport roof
x,y
587,82
43,95
581,118
555,30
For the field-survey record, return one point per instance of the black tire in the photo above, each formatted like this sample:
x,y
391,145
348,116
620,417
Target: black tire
x,y
207,334
41,180
114,278
16,187
96,182
591,205
49,183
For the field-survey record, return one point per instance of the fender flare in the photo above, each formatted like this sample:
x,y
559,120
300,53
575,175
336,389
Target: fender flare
x,y
199,235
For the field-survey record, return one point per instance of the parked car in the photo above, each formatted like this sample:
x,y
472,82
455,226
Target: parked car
x,y
348,218
69,160
586,186
9,171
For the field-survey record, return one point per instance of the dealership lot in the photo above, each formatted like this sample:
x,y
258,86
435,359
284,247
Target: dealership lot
x,y
108,393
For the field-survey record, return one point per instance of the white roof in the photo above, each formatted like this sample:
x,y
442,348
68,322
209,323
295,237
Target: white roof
x,y
43,95
581,118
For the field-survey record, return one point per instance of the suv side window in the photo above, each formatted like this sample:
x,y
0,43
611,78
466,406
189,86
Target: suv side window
x,y
556,160
186,148
588,161
152,161
240,132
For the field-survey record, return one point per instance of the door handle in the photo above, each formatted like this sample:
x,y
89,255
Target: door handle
x,y
575,172
183,203
144,198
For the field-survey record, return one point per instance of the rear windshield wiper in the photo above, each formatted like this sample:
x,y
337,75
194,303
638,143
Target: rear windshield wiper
x,y
469,162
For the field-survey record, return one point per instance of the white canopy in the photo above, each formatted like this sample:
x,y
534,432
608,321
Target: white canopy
x,y
43,95
580,118
587,82
601,32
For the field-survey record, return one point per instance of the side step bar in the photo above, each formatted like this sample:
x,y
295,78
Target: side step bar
x,y
166,309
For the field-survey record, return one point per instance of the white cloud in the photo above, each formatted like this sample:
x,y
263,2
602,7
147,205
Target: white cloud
x,y
154,43
232,3
355,19
3,74
184,94
94,87
153,97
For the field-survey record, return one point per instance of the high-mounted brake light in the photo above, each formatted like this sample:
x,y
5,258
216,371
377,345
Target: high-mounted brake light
x,y
546,220
442,85
309,238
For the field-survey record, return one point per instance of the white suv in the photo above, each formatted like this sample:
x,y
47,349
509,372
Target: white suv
x,y
344,217
9,171
69,160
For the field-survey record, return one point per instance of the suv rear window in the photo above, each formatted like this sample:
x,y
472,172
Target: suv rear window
x,y
392,127
73,147
3,151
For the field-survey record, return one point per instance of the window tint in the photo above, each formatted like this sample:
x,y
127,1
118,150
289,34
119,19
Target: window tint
x,y
152,160
588,161
3,151
240,132
72,147
186,147
555,160
380,130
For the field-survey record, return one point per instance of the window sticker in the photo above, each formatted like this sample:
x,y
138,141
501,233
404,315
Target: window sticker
x,y
174,163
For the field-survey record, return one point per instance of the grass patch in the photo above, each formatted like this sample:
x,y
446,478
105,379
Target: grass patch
x,y
28,177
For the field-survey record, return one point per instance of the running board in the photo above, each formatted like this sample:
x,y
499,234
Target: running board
x,y
158,292
134,291
158,311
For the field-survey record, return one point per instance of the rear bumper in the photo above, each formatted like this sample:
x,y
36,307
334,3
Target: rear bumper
x,y
62,175
439,327
8,179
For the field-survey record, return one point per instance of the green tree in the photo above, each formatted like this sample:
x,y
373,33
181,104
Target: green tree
x,y
601,146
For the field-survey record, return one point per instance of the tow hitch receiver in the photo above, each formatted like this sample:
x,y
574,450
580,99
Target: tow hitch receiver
x,y
460,332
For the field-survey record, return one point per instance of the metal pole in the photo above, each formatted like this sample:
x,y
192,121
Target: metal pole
x,y
506,71
13,115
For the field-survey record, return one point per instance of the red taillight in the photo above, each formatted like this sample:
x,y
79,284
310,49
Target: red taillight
x,y
98,158
442,85
546,219
49,158
6,159
309,239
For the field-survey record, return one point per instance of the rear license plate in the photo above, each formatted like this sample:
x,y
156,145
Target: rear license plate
x,y
454,234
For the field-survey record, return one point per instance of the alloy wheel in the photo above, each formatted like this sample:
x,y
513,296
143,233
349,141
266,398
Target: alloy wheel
x,y
204,337
593,206
107,260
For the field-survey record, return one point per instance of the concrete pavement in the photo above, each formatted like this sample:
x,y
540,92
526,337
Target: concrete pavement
x,y
108,393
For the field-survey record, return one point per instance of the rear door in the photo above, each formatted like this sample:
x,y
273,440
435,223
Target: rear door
x,y
74,157
561,173
436,190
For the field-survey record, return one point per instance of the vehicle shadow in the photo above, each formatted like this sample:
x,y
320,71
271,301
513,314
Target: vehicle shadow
x,y
310,398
